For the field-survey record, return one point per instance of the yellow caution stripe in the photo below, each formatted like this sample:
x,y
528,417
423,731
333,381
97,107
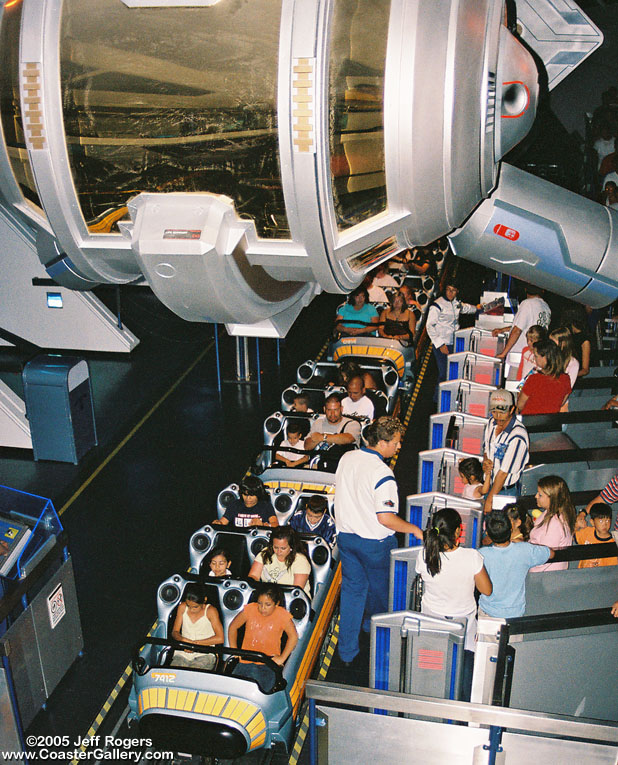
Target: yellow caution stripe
x,y
214,705
304,726
313,648
413,397
325,488
353,349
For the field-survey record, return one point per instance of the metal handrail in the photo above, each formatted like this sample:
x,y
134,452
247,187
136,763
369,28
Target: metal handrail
x,y
543,423
555,456
483,714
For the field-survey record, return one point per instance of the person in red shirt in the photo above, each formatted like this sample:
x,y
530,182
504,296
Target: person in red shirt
x,y
547,390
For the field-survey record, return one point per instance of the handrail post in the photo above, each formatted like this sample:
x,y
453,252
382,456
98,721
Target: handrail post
x,y
494,748
313,753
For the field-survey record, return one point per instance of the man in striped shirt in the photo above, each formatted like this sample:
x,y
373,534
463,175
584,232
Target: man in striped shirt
x,y
505,447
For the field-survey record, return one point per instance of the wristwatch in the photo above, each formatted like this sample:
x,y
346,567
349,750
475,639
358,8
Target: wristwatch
x,y
325,435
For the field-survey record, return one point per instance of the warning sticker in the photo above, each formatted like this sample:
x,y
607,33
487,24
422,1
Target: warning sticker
x,y
55,606
182,233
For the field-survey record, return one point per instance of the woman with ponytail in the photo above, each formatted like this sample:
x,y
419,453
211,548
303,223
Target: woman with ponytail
x,y
450,573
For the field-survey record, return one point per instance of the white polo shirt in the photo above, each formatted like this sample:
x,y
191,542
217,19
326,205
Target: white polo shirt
x,y
364,487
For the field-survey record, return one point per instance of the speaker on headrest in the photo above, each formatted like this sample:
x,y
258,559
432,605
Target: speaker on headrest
x,y
226,498
298,608
288,395
233,600
169,593
283,503
200,542
391,377
305,372
319,555
273,425
257,546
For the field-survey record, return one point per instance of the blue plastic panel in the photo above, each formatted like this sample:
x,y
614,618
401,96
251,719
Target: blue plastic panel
x,y
445,401
455,659
416,517
427,477
400,589
437,435
382,657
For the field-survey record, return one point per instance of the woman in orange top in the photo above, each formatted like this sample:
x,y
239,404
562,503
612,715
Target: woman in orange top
x,y
265,622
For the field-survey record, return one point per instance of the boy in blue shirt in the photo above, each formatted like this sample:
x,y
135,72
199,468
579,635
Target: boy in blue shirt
x,y
315,519
507,564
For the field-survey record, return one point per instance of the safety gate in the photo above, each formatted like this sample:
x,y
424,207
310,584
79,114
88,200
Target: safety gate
x,y
416,653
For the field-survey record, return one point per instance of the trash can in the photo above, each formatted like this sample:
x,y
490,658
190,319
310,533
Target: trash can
x,y
59,407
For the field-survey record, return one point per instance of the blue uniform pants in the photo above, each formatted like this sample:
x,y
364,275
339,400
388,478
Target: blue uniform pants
x,y
441,363
365,565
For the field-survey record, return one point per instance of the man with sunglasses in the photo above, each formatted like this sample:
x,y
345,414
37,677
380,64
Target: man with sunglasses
x,y
506,447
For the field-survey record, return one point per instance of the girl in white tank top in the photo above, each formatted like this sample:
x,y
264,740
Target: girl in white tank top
x,y
196,622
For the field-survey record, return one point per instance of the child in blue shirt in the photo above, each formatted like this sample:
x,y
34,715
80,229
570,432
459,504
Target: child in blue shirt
x,y
507,565
315,519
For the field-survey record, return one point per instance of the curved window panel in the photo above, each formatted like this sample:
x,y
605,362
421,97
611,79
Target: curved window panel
x,y
357,62
12,124
173,99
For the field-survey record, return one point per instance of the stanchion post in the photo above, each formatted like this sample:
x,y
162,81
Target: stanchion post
x,y
313,749
494,748
218,358
259,372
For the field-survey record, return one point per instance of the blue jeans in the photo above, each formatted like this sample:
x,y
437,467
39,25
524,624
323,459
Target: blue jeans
x,y
510,491
264,675
365,566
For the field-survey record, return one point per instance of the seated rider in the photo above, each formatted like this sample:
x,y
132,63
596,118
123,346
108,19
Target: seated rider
x,y
382,277
345,371
356,404
219,562
408,296
332,427
295,429
254,507
313,518
397,322
282,561
301,403
197,623
357,316
265,622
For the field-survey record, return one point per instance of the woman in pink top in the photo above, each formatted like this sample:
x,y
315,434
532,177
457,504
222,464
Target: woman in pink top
x,y
555,525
